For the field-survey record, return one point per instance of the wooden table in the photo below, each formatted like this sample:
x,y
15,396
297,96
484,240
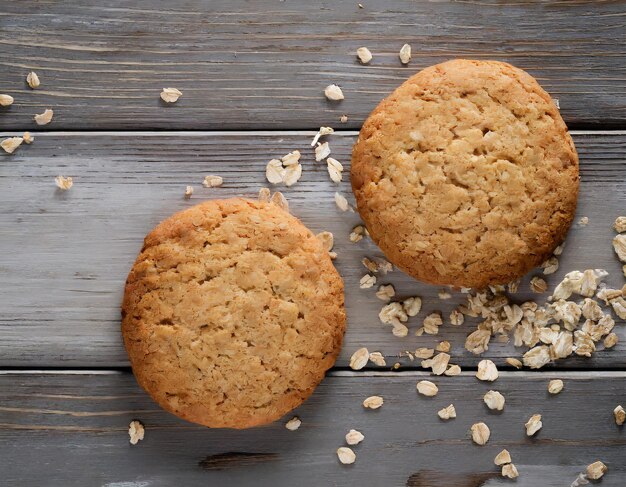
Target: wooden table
x,y
252,75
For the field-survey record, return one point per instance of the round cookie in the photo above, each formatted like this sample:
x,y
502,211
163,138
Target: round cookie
x,y
232,313
466,175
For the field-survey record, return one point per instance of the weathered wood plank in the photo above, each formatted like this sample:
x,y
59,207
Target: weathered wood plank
x,y
61,430
264,64
64,256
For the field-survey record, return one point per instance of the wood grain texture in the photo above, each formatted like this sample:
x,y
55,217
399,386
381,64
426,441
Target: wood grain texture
x,y
64,257
58,430
264,64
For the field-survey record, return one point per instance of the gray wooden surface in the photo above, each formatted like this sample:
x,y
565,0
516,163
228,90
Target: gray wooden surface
x,y
264,64
260,68
64,256
74,427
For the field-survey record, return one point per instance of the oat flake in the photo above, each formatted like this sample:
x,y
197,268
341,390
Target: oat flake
x,y
494,400
293,424
341,202
33,80
555,386
373,402
170,95
487,371
212,181
596,470
405,54
447,412
354,437
44,118
533,425
6,100
502,458
346,455
377,358
136,432
359,359
364,55
11,144
63,182
480,433
333,93
427,388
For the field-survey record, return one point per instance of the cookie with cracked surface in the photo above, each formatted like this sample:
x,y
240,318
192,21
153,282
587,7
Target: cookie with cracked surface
x,y
466,175
232,313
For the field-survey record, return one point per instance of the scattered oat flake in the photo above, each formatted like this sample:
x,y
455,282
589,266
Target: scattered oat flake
x,y
212,181
494,400
33,80
341,202
334,169
550,266
514,362
583,221
385,292
364,55
596,470
513,286
424,353
453,370
619,225
412,306
487,371
456,318
537,357
502,458
533,425
620,415
170,95
293,424
359,359
188,192
28,138
44,118
439,363
619,244
136,432
367,281
610,340
427,388
405,54
447,412
322,151
333,93
343,118
292,175
354,437
321,133
346,455
63,182
555,386
274,171
6,100
538,285
477,342
357,234
510,471
373,402
559,249
480,433
264,195
432,322
11,144
327,240
291,159
443,294
443,346
279,200
377,358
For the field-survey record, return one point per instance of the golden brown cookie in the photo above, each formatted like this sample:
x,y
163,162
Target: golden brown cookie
x,y
466,175
232,313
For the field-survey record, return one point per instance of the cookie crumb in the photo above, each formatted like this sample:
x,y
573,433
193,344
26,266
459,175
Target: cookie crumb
x,y
33,80
170,95
427,388
555,386
28,138
333,93
264,195
405,54
6,100
354,437
343,119
293,424
11,144
327,240
212,181
533,425
279,200
63,182
136,432
357,234
583,221
359,359
188,192
373,402
364,55
44,118
480,433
